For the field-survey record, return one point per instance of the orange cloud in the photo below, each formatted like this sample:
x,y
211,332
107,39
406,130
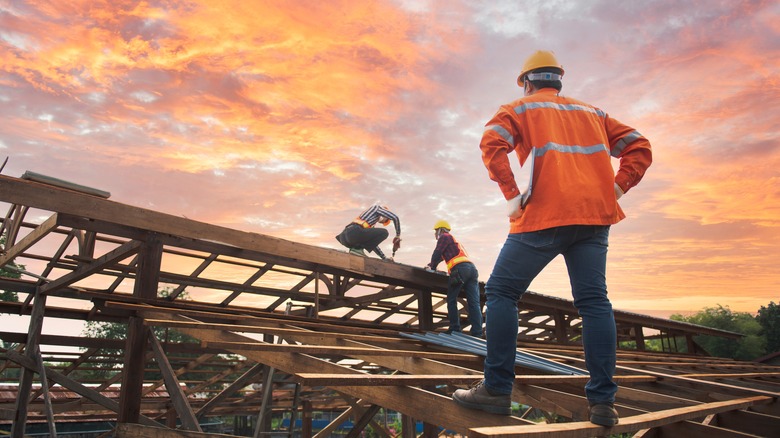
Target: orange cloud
x,y
258,80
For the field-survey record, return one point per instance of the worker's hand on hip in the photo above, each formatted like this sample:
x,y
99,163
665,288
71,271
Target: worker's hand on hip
x,y
618,191
514,207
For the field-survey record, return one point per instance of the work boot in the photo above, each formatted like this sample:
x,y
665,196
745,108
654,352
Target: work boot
x,y
603,414
478,397
358,252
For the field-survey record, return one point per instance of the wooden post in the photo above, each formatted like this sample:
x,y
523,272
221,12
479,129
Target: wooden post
x,y
306,420
146,283
408,427
639,336
26,378
561,327
316,294
425,309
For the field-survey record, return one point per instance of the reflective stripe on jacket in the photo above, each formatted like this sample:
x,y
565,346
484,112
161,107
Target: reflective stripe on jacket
x,y
361,222
460,258
572,142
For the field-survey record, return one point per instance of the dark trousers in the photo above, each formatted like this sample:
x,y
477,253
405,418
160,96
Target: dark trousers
x,y
355,236
464,277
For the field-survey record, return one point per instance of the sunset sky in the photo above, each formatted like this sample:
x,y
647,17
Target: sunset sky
x,y
288,118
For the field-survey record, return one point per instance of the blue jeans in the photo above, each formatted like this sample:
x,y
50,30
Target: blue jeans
x,y
464,276
524,255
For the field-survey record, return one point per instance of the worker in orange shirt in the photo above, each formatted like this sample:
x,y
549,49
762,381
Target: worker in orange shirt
x,y
463,276
567,208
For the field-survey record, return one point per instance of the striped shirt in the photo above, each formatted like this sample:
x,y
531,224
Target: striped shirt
x,y
372,214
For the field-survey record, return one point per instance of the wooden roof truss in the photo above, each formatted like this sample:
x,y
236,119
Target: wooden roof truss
x,y
278,326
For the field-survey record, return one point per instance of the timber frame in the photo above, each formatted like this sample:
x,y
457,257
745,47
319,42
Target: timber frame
x,y
276,325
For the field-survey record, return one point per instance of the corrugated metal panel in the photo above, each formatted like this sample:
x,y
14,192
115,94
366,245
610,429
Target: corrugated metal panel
x,y
478,346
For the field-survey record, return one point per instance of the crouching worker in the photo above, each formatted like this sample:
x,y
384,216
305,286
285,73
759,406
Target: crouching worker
x,y
361,234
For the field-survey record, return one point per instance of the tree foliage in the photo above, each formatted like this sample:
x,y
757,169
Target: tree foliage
x,y
769,319
750,346
118,330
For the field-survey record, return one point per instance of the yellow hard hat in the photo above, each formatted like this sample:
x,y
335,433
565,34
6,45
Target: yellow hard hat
x,y
540,58
442,224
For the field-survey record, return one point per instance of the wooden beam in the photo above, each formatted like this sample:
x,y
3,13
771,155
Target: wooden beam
x,y
99,264
265,329
335,380
629,424
46,396
178,398
145,286
747,422
336,351
25,382
29,240
362,421
45,197
401,399
74,386
138,431
730,375
693,429
247,378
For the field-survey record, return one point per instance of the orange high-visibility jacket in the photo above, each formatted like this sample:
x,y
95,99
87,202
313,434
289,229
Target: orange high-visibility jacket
x,y
572,142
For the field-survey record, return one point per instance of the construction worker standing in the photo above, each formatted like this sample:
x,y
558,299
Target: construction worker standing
x,y
463,277
361,234
567,209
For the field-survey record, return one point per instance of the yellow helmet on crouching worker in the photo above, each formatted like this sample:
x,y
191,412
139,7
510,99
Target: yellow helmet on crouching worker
x,y
540,59
442,224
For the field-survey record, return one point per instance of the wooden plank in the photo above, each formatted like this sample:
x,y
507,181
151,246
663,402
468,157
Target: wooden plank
x,y
747,422
74,386
335,380
402,399
252,317
564,404
190,366
362,421
119,253
626,425
264,329
676,380
29,240
46,396
127,430
245,379
33,194
337,351
729,375
691,429
178,399
336,422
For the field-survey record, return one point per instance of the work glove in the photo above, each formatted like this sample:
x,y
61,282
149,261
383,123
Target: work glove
x,y
618,191
514,207
396,243
428,268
